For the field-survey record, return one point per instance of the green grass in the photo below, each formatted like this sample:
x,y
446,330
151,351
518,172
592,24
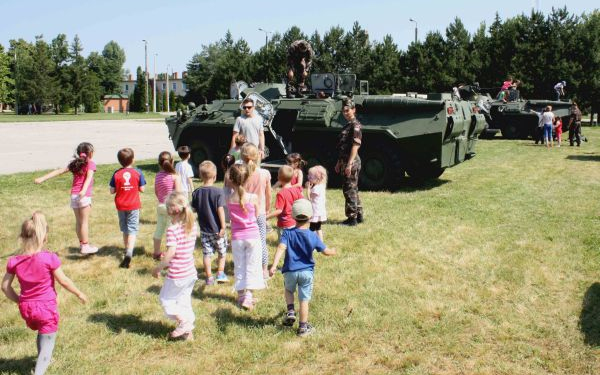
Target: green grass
x,y
11,117
491,270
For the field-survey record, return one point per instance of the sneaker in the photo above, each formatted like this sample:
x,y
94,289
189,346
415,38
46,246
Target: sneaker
x,y
125,262
88,249
305,331
351,222
210,280
222,278
248,304
289,318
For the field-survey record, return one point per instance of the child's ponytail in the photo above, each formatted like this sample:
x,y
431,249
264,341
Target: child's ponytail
x,y
250,156
238,175
34,232
165,161
82,154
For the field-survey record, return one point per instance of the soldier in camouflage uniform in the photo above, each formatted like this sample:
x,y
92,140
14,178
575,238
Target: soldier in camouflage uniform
x,y
575,125
348,164
299,61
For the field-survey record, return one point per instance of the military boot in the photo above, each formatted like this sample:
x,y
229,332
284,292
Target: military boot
x,y
359,219
351,222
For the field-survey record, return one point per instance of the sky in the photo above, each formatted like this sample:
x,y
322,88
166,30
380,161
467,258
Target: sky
x,y
177,29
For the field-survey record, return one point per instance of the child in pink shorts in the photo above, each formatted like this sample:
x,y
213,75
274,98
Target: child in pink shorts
x,y
82,167
36,269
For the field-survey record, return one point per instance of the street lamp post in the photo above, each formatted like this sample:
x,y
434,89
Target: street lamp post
x,y
154,86
146,72
168,104
16,83
266,50
416,28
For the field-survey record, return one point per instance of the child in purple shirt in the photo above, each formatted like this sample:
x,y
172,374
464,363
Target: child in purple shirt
x,y
36,269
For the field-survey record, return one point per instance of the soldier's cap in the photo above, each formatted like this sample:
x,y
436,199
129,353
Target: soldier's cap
x,y
302,209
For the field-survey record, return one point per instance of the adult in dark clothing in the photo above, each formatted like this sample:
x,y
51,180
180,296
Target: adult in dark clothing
x,y
575,125
348,164
299,60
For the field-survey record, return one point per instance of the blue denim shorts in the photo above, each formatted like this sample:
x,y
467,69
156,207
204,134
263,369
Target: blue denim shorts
x,y
301,279
129,221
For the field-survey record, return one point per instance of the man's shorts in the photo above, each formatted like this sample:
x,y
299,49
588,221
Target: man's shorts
x,y
129,221
212,243
80,203
301,279
40,316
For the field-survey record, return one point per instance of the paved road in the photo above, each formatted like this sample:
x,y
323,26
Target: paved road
x,y
31,146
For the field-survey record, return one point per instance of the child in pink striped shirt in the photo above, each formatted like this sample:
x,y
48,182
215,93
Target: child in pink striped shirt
x,y
245,238
165,182
176,293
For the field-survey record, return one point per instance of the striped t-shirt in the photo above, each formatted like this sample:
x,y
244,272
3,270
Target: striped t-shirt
x,y
164,184
182,264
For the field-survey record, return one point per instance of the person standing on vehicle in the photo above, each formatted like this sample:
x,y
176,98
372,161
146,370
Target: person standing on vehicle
x,y
560,89
251,126
299,61
575,125
348,164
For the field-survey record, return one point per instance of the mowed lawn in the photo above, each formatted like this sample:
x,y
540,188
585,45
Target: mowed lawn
x,y
493,269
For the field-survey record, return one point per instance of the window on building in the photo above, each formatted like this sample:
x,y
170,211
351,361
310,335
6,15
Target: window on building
x,y
183,85
174,86
164,86
126,87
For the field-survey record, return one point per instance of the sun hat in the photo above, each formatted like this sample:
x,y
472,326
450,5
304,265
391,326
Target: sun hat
x,y
302,209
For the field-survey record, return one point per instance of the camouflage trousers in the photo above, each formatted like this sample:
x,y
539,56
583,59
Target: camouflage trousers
x,y
350,189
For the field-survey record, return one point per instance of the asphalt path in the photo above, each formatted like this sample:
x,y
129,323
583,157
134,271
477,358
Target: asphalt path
x,y
32,146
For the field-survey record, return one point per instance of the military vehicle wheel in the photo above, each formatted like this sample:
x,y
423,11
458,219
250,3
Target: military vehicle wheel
x,y
422,172
200,152
379,170
510,131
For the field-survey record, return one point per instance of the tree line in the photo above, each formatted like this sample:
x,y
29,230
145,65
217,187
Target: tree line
x,y
537,49
34,75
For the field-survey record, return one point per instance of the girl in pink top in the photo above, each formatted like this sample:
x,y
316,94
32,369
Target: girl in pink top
x,y
165,182
36,269
83,169
259,183
176,293
245,238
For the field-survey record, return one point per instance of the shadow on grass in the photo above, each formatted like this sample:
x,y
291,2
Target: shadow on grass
x,y
589,319
148,167
204,292
225,317
131,323
584,157
154,289
145,221
23,365
104,251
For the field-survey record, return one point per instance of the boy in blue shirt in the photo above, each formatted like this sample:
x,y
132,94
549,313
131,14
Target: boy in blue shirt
x,y
298,266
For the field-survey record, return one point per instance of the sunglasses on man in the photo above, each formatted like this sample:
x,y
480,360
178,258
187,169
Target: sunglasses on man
x,y
247,107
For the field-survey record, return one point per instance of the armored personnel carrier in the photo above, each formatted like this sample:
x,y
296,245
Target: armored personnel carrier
x,y
514,118
401,134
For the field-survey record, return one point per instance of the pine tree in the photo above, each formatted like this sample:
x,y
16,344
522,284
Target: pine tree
x,y
6,81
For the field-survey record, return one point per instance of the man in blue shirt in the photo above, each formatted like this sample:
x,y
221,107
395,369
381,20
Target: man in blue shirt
x,y
298,265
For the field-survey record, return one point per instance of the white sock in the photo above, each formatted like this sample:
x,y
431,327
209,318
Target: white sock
x,y
129,253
